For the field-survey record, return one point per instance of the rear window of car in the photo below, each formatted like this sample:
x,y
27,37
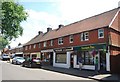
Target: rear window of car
x,y
5,55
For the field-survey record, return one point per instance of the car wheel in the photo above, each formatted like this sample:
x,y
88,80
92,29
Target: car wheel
x,y
12,62
22,65
30,65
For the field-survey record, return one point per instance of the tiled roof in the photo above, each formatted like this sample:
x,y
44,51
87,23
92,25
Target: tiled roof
x,y
36,39
94,22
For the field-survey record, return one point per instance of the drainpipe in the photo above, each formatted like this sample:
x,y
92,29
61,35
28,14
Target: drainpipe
x,y
108,51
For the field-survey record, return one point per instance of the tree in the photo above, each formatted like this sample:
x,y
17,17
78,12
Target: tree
x,y
3,42
12,15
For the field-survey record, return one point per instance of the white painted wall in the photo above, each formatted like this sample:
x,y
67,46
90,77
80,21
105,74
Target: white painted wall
x,y
67,65
108,61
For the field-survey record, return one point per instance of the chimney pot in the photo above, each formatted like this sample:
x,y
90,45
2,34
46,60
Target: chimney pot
x,y
40,32
49,29
60,26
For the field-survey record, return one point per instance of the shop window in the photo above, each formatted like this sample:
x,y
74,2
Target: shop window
x,y
84,36
45,44
101,33
71,38
34,46
51,43
60,41
61,58
87,58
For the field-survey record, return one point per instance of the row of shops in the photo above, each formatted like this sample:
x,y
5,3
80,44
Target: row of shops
x,y
68,57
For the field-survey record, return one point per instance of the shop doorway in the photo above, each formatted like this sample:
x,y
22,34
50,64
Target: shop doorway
x,y
71,61
102,61
51,58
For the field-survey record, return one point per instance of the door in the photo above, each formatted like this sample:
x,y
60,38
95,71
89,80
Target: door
x,y
51,58
71,61
102,61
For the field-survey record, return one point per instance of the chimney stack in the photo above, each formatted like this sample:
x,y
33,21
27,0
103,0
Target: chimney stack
x,y
49,29
119,4
40,32
60,26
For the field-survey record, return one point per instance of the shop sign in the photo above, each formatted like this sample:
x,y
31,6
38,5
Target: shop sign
x,y
90,47
64,49
87,47
68,49
58,50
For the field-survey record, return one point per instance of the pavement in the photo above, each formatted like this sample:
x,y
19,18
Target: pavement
x,y
85,73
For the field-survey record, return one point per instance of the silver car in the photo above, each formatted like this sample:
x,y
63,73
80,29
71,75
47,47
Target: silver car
x,y
5,57
18,60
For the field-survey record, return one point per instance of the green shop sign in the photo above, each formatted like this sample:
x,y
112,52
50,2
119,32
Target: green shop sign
x,y
90,47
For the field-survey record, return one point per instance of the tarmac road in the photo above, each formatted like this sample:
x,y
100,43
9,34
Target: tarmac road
x,y
16,72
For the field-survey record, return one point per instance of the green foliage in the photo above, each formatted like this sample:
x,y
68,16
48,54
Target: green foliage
x,y
3,42
13,15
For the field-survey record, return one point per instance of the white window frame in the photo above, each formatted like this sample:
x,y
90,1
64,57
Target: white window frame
x,y
39,45
45,44
34,46
51,43
71,39
99,32
29,46
26,47
84,36
60,41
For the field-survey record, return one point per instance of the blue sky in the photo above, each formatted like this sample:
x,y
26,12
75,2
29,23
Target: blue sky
x,y
51,13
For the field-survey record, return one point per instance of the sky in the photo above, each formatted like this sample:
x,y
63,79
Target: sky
x,y
51,13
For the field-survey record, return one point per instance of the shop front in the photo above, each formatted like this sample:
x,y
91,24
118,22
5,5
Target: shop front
x,y
62,57
35,55
47,57
88,54
26,55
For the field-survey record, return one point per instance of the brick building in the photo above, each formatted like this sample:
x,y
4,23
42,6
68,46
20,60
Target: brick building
x,y
98,35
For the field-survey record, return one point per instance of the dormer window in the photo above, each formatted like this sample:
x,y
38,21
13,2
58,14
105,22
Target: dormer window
x,y
71,38
34,46
100,33
84,36
60,41
29,46
45,44
39,45
51,43
26,47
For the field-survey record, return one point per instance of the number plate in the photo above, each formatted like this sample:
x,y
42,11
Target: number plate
x,y
38,62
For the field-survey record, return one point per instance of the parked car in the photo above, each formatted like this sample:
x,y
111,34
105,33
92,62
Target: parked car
x,y
31,63
5,57
18,60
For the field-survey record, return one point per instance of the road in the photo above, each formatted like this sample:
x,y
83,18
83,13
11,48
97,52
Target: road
x,y
16,72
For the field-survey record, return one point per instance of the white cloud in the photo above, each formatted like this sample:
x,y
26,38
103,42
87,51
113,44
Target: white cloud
x,y
69,11
37,21
73,10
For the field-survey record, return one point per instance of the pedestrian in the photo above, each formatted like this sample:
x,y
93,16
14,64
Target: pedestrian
x,y
80,63
96,64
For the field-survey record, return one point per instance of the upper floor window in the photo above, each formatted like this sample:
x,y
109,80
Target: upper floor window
x,y
101,33
71,38
34,46
60,41
39,45
84,36
45,44
51,43
29,46
26,47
